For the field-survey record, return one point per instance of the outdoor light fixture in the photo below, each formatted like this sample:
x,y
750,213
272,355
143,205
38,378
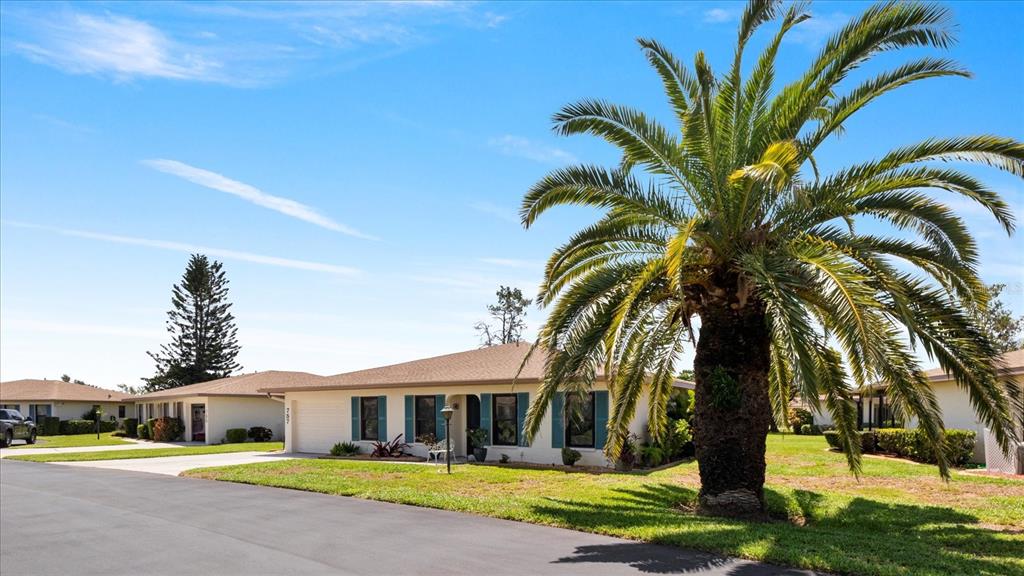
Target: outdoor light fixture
x,y
447,412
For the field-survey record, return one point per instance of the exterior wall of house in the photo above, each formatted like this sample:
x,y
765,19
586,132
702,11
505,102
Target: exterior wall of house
x,y
223,413
957,413
317,420
70,410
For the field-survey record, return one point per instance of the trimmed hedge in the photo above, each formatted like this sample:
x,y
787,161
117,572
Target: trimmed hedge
x,y
797,418
167,429
131,427
142,431
236,435
832,437
149,427
85,426
912,444
48,426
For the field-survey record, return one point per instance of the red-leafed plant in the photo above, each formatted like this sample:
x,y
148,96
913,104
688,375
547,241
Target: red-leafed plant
x,y
392,449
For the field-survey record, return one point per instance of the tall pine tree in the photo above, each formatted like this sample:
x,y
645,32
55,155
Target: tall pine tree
x,y
203,333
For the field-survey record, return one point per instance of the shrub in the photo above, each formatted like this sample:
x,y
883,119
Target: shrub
x,y
236,435
84,426
628,453
798,417
261,434
898,441
142,432
832,437
810,430
131,426
167,429
149,427
392,449
48,426
959,446
90,414
652,455
570,457
504,459
345,449
119,433
868,441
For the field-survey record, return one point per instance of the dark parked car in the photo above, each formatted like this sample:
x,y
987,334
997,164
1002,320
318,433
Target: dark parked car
x,y
14,426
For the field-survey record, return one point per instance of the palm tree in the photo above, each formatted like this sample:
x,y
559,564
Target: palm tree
x,y
726,235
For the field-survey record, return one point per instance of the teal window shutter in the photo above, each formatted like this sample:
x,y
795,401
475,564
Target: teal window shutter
x,y
485,415
356,436
410,422
600,418
382,418
522,404
558,420
438,416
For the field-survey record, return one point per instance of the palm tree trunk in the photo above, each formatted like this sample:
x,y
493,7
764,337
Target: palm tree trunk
x,y
732,410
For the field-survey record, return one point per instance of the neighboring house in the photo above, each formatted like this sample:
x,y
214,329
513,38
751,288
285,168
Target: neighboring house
x,y
209,409
406,400
65,400
957,412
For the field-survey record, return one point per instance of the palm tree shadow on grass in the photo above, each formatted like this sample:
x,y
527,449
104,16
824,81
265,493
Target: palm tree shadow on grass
x,y
864,534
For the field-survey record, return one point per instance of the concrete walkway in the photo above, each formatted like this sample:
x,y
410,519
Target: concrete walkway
x,y
73,520
174,465
134,445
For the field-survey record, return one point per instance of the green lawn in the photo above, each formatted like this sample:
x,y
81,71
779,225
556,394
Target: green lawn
x,y
899,518
74,441
152,453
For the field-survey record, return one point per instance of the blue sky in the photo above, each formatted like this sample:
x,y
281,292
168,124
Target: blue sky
x,y
358,168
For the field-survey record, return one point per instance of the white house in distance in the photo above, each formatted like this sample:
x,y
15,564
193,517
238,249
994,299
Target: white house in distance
x,y
65,400
406,399
209,409
957,411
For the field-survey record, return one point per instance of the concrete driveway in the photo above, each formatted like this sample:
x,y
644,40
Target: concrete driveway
x,y
132,445
174,465
76,520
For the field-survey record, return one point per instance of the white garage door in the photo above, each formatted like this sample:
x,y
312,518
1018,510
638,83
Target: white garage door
x,y
318,426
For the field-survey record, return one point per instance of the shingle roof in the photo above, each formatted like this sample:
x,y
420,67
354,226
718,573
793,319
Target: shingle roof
x,y
240,385
493,364
1013,363
57,390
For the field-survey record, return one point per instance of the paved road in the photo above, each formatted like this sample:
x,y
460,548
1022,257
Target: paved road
x,y
70,520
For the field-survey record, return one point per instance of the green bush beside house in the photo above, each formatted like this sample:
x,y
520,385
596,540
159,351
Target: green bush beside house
x,y
912,444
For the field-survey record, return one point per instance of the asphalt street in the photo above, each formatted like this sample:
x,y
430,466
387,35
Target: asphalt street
x,y
76,520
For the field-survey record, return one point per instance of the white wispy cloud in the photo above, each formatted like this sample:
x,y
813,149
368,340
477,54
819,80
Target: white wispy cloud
x,y
720,15
501,212
194,249
525,148
250,193
242,45
115,45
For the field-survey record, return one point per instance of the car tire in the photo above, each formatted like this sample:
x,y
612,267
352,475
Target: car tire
x,y
8,439
31,437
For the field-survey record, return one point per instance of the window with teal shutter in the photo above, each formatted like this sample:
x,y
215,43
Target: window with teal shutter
x,y
600,418
410,418
439,417
382,417
522,404
355,419
557,420
485,415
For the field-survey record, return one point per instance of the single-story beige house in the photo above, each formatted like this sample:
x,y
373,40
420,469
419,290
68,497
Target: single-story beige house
x,y
209,409
957,411
406,399
65,400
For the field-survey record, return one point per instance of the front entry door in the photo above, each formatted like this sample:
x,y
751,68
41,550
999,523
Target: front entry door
x,y
199,422
472,418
